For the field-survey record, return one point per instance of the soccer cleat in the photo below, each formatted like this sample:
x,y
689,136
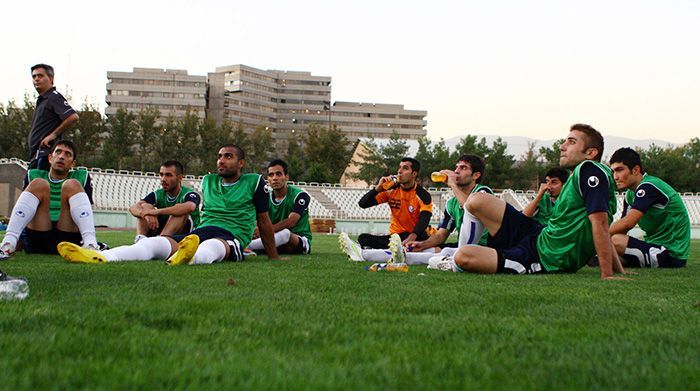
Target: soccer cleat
x,y
350,248
247,252
444,263
185,252
398,255
73,253
6,251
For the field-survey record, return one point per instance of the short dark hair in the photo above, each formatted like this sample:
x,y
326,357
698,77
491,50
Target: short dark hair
x,y
415,164
558,172
46,67
627,156
179,168
593,138
279,162
68,144
239,151
477,164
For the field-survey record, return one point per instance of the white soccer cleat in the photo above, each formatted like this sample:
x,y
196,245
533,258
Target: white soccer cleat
x,y
350,248
6,251
398,255
444,263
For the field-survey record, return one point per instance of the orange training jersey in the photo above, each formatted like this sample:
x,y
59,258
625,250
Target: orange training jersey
x,y
405,206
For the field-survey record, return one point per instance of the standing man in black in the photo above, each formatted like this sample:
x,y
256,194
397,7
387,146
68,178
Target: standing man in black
x,y
53,115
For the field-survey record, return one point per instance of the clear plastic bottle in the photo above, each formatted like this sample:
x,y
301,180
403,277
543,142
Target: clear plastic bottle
x,y
389,267
13,288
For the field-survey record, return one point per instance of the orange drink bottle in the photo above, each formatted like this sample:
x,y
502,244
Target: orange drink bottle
x,y
438,177
389,184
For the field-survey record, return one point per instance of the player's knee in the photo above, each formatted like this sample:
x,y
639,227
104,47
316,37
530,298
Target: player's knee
x,y
619,241
38,186
464,257
70,187
475,202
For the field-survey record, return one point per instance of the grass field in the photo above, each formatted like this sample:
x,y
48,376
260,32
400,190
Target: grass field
x,y
321,322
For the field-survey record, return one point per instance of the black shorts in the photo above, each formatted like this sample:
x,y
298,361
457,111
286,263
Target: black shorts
x,y
45,242
163,219
302,248
211,232
642,254
516,244
382,241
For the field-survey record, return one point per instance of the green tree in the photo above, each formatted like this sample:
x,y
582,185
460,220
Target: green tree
x,y
15,123
166,143
187,137
327,152
551,154
296,161
241,138
117,147
146,138
212,137
498,165
527,172
469,145
261,145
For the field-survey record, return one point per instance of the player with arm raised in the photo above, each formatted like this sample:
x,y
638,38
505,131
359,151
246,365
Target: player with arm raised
x,y
541,207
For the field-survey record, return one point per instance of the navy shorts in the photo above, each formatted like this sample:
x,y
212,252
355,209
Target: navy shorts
x,y
45,242
211,232
516,244
162,220
642,254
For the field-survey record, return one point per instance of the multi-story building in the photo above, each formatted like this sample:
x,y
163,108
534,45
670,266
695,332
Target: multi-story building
x,y
171,91
287,102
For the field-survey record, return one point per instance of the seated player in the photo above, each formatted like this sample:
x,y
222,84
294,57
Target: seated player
x,y
55,206
659,211
172,209
411,209
463,181
540,209
231,204
288,212
577,229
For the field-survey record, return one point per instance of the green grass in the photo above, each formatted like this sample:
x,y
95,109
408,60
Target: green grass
x,y
321,322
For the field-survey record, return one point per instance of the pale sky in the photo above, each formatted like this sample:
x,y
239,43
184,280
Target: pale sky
x,y
512,68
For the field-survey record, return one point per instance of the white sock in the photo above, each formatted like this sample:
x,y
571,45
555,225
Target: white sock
x,y
423,257
22,215
81,212
375,255
281,238
471,230
209,251
157,247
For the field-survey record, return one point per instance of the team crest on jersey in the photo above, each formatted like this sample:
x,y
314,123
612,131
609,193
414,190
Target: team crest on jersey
x,y
593,181
266,188
65,103
301,201
641,193
410,208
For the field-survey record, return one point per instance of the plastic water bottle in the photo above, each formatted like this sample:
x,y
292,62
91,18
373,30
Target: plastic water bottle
x,y
389,184
389,267
13,288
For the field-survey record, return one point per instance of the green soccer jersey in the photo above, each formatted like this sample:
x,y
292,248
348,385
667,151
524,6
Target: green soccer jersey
x,y
454,214
665,220
234,207
544,210
296,200
55,187
566,243
163,200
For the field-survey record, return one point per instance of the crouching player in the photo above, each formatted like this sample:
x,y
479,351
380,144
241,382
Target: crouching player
x,y
55,206
288,212
659,211
231,204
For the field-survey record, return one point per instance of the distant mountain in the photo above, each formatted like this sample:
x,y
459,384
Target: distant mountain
x,y
517,145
